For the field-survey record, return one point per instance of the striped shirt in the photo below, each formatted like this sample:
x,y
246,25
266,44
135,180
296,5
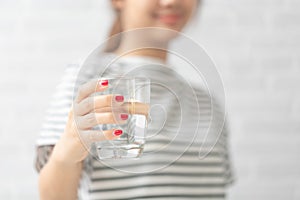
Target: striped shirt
x,y
186,156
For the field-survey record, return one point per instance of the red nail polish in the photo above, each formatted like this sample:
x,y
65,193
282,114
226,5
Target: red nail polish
x,y
119,98
104,82
124,116
118,132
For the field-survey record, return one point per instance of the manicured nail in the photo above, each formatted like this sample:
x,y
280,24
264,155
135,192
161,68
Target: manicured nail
x,y
119,98
124,116
118,132
104,82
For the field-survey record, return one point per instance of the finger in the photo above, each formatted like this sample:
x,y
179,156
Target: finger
x,y
135,108
126,107
85,90
115,110
99,135
95,102
92,119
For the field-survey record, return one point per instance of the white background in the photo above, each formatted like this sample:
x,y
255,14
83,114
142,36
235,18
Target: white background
x,y
255,44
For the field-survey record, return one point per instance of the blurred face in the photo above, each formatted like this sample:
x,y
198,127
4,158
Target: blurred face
x,y
170,14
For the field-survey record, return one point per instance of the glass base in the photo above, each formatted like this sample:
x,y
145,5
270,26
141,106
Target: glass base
x,y
120,152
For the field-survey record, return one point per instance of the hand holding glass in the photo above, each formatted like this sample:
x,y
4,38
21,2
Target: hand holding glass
x,y
130,108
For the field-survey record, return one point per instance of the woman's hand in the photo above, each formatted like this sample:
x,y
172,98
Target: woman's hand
x,y
88,111
59,178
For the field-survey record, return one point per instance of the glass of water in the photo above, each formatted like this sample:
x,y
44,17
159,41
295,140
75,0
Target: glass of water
x,y
136,92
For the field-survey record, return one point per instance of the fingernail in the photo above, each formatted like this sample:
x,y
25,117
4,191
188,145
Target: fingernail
x,y
104,82
124,116
118,132
119,98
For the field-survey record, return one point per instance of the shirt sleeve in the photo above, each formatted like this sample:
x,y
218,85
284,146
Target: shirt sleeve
x,y
56,116
42,155
224,142
229,166
59,106
218,127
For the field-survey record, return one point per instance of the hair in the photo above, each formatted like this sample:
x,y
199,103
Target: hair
x,y
116,28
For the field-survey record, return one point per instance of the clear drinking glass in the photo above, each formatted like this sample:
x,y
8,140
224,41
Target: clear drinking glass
x,y
136,92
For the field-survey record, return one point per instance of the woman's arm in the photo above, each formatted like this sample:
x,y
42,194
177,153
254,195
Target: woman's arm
x,y
58,179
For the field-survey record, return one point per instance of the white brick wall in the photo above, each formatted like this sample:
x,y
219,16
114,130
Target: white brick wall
x,y
257,52
255,43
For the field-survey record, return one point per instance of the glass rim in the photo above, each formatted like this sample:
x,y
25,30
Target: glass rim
x,y
125,78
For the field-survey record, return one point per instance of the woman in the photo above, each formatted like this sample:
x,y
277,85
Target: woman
x,y
71,173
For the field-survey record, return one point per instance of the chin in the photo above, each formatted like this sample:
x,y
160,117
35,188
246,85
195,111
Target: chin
x,y
172,31
162,35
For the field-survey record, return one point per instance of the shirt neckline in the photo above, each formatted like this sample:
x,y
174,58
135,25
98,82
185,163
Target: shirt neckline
x,y
139,59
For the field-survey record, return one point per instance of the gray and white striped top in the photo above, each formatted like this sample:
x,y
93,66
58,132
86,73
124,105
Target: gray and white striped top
x,y
185,125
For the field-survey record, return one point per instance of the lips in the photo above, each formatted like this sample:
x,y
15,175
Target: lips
x,y
169,19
